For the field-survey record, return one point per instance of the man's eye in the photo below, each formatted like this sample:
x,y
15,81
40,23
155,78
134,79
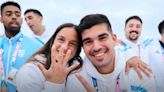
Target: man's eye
x,y
8,14
87,42
102,38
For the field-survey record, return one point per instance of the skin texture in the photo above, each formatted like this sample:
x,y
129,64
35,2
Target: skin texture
x,y
12,20
34,21
133,30
98,44
64,48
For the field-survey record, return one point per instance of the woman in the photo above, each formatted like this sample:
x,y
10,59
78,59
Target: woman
x,y
58,55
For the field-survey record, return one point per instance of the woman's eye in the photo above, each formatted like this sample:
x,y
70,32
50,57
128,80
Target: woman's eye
x,y
60,39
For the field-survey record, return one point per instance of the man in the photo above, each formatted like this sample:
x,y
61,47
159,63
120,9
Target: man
x,y
16,48
147,49
156,54
34,19
104,65
133,29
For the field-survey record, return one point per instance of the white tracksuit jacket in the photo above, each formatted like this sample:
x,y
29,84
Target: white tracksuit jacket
x,y
151,53
156,54
30,79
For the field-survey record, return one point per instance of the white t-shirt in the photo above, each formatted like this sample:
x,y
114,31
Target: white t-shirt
x,y
46,35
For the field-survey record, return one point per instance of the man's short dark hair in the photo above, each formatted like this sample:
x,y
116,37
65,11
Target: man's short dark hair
x,y
161,27
133,17
10,3
93,19
34,11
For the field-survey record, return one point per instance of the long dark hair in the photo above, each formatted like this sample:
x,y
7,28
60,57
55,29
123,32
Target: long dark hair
x,y
46,49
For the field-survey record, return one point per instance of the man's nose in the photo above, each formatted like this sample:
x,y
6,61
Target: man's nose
x,y
14,16
96,45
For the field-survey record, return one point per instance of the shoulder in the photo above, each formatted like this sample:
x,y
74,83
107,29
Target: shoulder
x,y
29,78
29,71
31,41
147,41
29,68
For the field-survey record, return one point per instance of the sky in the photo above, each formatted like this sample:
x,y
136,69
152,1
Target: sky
x,y
57,12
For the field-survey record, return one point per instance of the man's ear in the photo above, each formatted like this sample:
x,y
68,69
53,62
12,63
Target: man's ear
x,y
115,37
40,18
1,19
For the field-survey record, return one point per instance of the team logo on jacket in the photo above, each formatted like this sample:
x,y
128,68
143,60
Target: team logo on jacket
x,y
21,53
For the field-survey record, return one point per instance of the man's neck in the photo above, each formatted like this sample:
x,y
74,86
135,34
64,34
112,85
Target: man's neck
x,y
40,31
11,34
162,39
133,41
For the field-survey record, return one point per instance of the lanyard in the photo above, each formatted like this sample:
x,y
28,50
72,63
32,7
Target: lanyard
x,y
94,81
1,65
13,59
117,87
139,51
16,50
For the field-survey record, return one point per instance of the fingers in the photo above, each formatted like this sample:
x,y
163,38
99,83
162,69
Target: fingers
x,y
67,57
53,55
138,72
85,83
145,69
60,56
72,67
127,69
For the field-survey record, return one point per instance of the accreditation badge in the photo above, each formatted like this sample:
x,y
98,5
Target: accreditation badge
x,y
12,75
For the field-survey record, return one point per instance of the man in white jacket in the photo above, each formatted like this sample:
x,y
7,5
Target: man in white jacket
x,y
34,20
156,54
149,50
104,65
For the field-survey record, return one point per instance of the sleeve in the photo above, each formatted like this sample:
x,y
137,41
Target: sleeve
x,y
30,79
132,83
127,51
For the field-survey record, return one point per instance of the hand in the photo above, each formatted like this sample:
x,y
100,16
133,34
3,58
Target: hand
x,y
85,83
3,89
58,71
138,65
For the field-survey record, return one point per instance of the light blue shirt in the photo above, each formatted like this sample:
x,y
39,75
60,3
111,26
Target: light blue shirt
x,y
28,46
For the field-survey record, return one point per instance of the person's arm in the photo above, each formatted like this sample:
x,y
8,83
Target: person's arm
x,y
59,69
139,66
30,79
85,84
132,82
133,61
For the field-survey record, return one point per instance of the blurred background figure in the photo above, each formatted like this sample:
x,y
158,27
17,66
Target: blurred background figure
x,y
34,20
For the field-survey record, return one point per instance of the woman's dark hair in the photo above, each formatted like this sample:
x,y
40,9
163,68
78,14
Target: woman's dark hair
x,y
46,49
